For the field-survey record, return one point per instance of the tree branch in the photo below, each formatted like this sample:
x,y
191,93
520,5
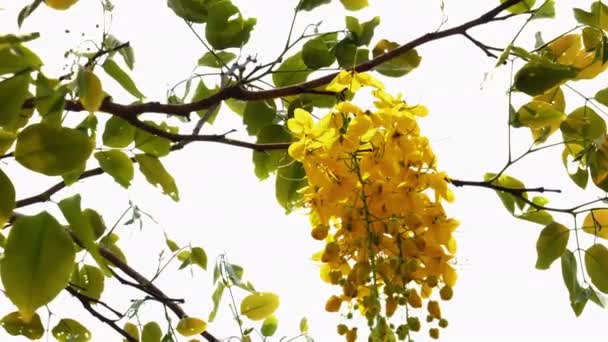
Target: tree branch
x,y
87,305
150,288
489,185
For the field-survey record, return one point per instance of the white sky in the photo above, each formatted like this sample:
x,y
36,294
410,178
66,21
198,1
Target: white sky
x,y
223,208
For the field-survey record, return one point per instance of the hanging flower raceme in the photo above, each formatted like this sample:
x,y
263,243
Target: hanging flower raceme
x,y
374,197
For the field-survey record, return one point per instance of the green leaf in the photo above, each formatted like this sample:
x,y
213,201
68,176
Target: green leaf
x,y
173,247
199,257
17,59
545,11
109,242
597,17
156,174
96,221
126,51
215,298
190,326
354,5
37,263
316,54
69,330
596,263
398,66
217,59
508,200
226,27
569,274
522,6
269,326
132,330
81,226
303,325
289,180
266,162
120,76
598,167
259,305
541,117
50,100
89,90
581,176
237,106
537,216
583,124
13,93
551,244
153,144
7,198
15,325
259,114
116,164
602,96
52,150
89,280
151,332
534,78
361,34
7,138
292,71
309,5
203,92
118,133
27,11
190,10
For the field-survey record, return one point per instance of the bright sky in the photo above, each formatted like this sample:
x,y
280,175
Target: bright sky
x,y
225,209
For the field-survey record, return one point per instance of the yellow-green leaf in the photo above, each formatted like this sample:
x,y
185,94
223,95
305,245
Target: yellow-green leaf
x,y
541,117
596,262
398,66
120,76
151,332
522,6
7,198
354,5
551,244
15,325
199,257
90,91
132,330
270,325
259,305
81,226
89,281
304,325
69,330
118,133
156,174
38,260
52,150
596,223
153,144
534,78
96,221
116,164
13,92
190,326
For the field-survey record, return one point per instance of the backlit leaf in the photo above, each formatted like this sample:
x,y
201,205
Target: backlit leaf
x,y
151,332
199,257
226,27
361,33
7,198
190,10
290,179
217,59
269,326
90,91
96,221
596,263
190,326
354,5
292,71
13,92
156,174
258,114
545,11
18,58
534,78
15,325
89,280
203,92
569,274
118,165
266,162
216,297
596,223
597,17
120,76
52,150
132,330
309,5
259,305
118,133
551,244
508,200
541,117
82,228
398,66
37,263
69,330
153,144
522,6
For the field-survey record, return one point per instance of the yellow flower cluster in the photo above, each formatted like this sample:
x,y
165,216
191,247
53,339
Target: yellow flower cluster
x,y
374,196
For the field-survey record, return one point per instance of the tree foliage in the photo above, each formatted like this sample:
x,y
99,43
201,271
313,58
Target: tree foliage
x,y
365,175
